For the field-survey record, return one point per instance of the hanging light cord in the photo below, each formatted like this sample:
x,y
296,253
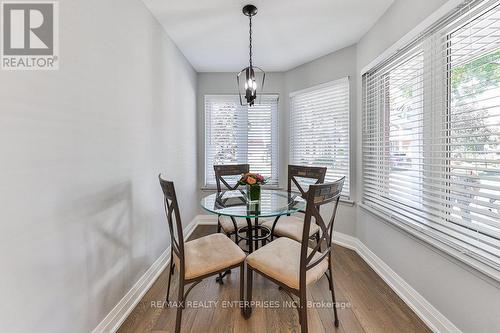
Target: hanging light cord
x,y
250,25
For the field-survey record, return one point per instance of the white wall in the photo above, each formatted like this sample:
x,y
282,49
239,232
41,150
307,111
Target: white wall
x,y
81,215
466,297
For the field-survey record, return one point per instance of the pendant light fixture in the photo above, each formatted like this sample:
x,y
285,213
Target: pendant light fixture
x,y
251,73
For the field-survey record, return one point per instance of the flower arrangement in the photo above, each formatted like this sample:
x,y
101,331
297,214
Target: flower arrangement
x,y
252,179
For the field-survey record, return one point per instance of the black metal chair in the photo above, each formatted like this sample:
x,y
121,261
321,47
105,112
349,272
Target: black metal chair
x,y
229,225
293,265
199,258
291,226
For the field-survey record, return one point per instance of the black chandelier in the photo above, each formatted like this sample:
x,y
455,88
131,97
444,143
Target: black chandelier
x,y
251,72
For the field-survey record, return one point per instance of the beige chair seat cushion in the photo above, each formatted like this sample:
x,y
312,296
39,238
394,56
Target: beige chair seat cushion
x,y
210,254
227,224
291,227
280,260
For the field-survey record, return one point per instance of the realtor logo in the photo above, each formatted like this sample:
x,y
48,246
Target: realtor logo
x,y
29,35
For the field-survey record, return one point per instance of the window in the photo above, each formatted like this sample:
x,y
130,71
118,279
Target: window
x,y
237,134
431,133
319,129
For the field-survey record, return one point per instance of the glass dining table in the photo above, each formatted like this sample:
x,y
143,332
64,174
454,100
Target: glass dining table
x,y
235,204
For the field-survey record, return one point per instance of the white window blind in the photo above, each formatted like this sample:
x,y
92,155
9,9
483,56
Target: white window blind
x,y
431,133
236,134
319,129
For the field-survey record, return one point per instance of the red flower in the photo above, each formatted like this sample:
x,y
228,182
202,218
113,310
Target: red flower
x,y
252,178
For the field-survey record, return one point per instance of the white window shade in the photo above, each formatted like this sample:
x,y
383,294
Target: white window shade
x,y
319,129
236,134
431,133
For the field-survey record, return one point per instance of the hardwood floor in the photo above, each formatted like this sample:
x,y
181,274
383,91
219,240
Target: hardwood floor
x,y
368,304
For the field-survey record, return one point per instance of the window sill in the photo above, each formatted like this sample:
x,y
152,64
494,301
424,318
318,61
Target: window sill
x,y
347,202
475,266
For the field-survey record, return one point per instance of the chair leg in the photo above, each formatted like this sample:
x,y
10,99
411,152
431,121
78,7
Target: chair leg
x,y
228,271
219,279
257,229
271,237
229,236
317,239
303,314
180,306
248,309
169,277
264,241
330,268
242,287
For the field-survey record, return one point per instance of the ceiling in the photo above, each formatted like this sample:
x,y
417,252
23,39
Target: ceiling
x,y
213,35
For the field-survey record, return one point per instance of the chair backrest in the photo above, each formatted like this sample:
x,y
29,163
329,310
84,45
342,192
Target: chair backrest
x,y
229,170
318,195
298,171
173,219
295,172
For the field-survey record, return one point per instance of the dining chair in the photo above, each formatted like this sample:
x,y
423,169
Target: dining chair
x,y
294,265
229,224
196,259
291,226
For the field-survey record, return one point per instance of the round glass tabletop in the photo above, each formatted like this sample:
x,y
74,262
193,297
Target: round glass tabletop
x,y
236,203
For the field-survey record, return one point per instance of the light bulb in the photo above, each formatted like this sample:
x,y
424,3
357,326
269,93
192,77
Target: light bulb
x,y
254,85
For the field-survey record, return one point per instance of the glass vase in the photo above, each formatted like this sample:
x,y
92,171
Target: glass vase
x,y
253,193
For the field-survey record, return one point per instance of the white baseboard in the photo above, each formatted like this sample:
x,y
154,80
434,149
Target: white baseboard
x,y
115,318
345,240
436,321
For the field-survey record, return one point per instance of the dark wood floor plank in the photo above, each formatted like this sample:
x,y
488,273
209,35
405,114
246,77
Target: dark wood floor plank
x,y
368,304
